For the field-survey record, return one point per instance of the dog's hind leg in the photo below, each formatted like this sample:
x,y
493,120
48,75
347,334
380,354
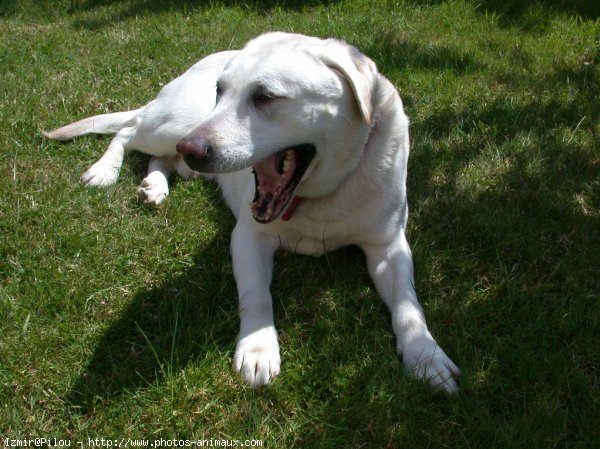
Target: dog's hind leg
x,y
155,186
106,170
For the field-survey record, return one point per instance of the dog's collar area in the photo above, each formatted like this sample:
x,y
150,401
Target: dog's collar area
x,y
287,214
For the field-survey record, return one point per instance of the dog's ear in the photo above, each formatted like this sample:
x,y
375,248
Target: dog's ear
x,y
359,71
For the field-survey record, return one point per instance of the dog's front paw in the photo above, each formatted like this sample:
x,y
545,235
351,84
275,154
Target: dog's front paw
x,y
257,357
154,189
100,174
424,359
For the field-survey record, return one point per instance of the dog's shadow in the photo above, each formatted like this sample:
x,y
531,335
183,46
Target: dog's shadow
x,y
194,314
163,328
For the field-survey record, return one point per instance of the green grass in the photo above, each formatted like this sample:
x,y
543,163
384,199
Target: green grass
x,y
119,320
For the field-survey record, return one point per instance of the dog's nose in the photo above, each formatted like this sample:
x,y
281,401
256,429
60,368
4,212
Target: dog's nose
x,y
195,147
196,151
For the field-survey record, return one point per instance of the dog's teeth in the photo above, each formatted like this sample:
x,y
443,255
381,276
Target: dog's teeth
x,y
286,162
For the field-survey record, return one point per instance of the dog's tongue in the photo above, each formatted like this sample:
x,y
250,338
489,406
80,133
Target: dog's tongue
x,y
272,176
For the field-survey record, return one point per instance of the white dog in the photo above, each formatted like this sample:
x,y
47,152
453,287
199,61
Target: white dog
x,y
309,144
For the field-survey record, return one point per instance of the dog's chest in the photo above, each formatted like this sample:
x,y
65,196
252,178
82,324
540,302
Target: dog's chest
x,y
310,241
314,232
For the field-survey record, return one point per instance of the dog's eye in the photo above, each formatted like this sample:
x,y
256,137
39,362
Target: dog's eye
x,y
263,97
219,90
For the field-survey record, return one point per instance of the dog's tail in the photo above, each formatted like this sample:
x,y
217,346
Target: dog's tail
x,y
98,124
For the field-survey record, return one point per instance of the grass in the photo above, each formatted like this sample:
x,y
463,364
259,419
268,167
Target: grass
x,y
118,320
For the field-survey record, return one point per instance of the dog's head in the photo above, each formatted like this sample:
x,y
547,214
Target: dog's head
x,y
296,109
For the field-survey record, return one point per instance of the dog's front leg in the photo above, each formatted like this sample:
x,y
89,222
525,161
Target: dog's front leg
x,y
257,351
391,268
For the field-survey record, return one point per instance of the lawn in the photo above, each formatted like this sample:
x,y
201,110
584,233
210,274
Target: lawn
x,y
119,320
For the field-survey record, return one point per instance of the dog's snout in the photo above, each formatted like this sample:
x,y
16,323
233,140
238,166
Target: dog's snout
x,y
196,147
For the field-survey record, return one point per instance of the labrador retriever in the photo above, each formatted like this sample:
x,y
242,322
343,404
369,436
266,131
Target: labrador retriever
x,y
309,144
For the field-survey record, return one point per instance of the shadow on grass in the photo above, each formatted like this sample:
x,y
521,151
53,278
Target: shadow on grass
x,y
394,52
519,12
134,8
522,13
152,6
527,15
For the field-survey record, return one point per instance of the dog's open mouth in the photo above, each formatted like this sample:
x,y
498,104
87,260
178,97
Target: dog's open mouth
x,y
276,178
